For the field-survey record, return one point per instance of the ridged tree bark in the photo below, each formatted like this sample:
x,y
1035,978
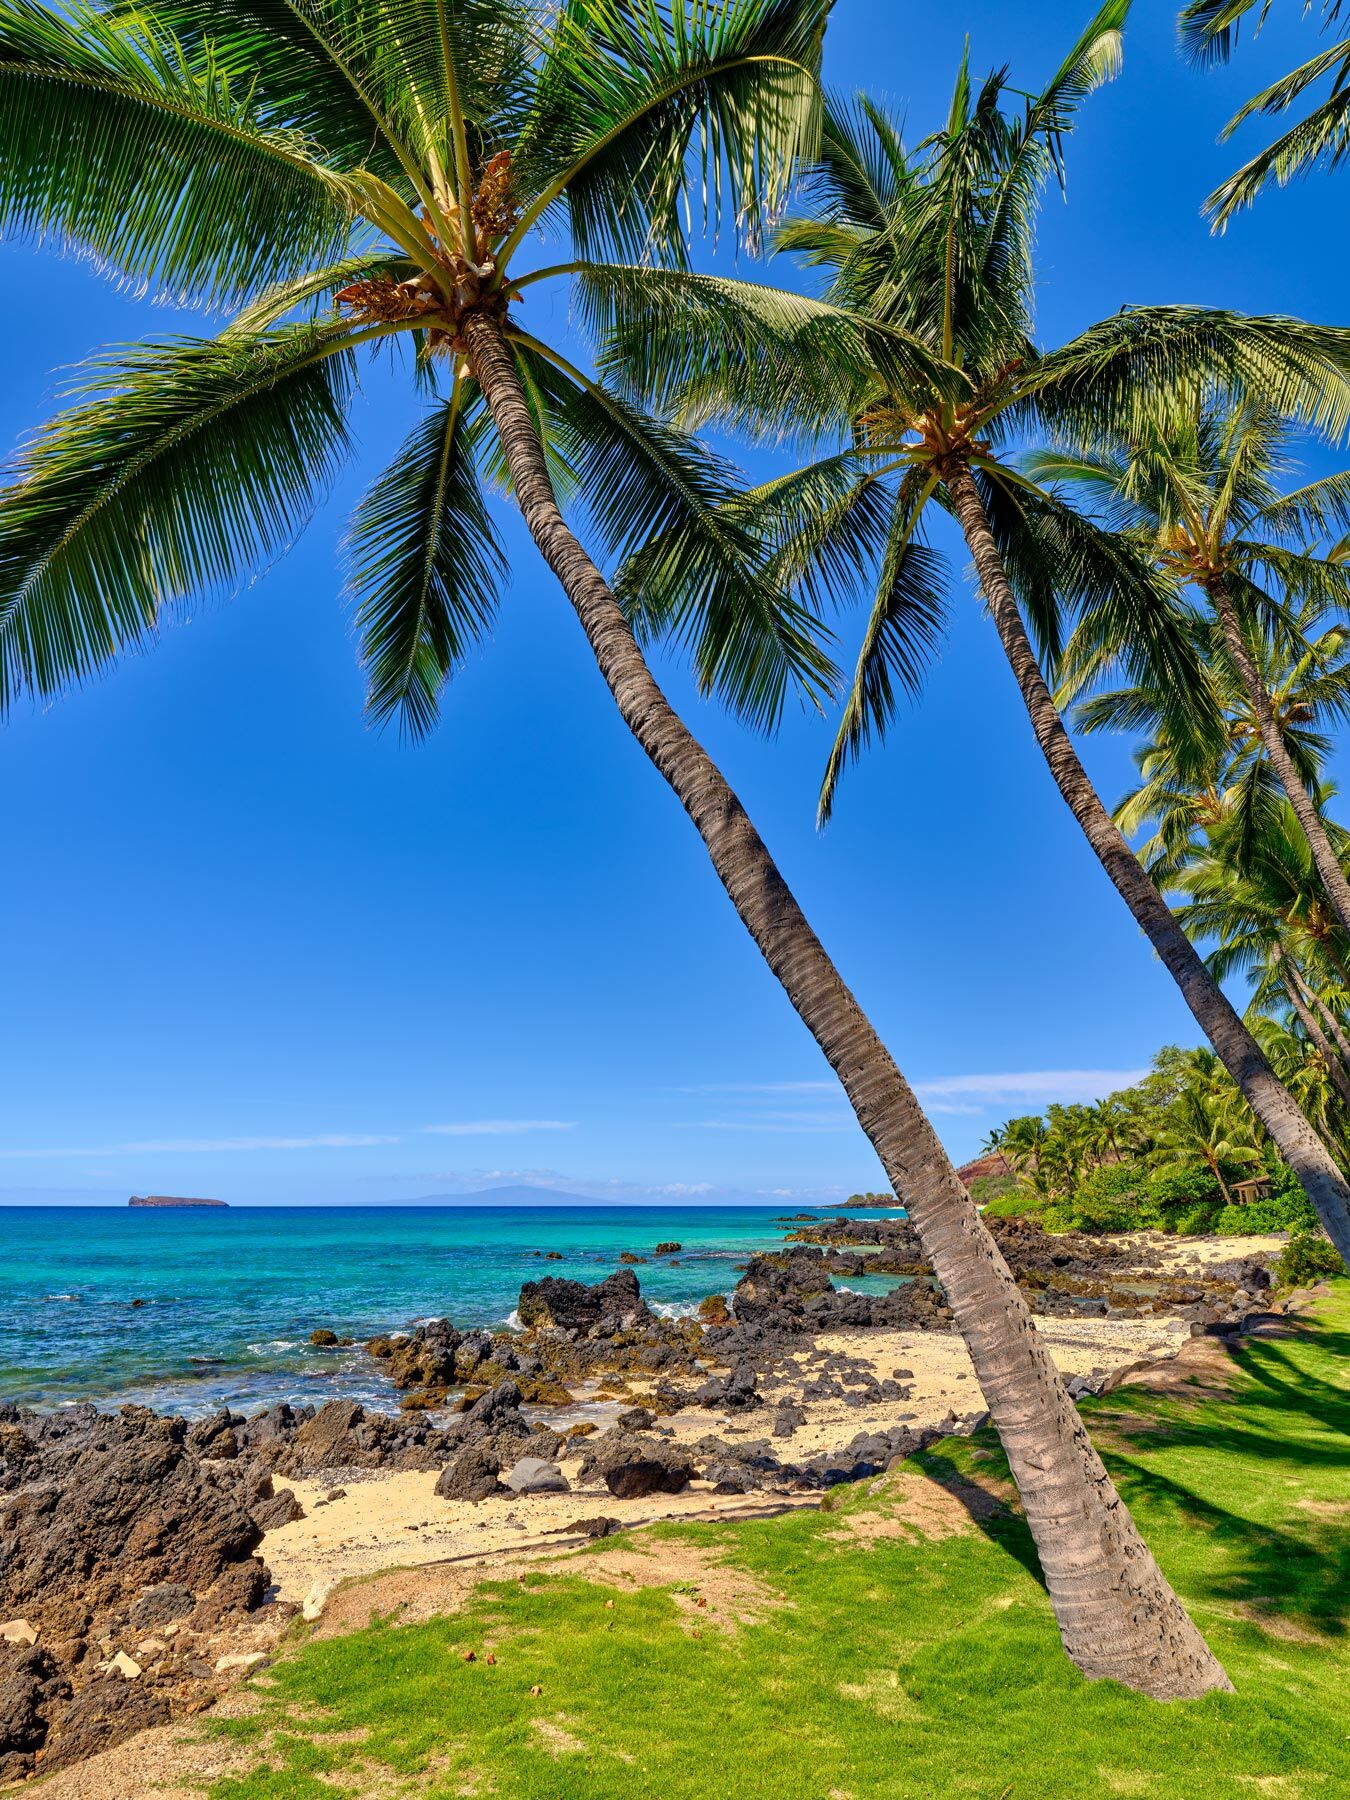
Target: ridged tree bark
x,y
1340,1078
1272,1103
1307,1006
1305,808
1118,1616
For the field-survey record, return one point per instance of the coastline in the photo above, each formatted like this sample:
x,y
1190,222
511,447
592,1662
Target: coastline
x,y
395,1518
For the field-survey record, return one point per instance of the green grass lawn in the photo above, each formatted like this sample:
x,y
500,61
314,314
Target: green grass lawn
x,y
876,1657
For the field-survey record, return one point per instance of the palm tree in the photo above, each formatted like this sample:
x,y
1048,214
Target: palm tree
x,y
1208,31
1198,490
395,158
1205,763
919,371
1208,1127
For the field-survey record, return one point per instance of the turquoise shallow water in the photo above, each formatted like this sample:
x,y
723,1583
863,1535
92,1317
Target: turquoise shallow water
x,y
231,1296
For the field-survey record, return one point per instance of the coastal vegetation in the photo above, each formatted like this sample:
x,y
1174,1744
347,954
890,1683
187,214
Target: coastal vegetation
x,y
648,1664
1179,1151
345,180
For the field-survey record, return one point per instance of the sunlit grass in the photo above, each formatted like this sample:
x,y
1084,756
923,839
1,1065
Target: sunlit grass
x,y
893,1665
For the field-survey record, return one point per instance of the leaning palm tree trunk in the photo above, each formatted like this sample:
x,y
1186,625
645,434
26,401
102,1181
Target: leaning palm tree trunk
x,y
1117,1614
1306,1007
1294,1137
1305,808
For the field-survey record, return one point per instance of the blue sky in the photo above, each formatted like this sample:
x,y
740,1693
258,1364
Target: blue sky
x,y
259,951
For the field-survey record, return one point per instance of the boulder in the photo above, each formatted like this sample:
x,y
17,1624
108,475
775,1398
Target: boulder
x,y
535,1475
161,1606
278,1509
105,1712
241,1589
30,1688
609,1307
472,1475
631,1466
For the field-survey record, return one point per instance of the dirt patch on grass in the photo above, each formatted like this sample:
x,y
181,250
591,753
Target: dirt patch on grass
x,y
1279,1625
1200,1362
408,1596
919,1505
556,1738
703,1584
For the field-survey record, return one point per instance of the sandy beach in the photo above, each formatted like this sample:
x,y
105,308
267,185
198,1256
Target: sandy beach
x,y
384,1520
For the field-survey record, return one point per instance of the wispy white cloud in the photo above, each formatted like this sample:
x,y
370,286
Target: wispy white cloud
x,y
1033,1086
194,1146
498,1127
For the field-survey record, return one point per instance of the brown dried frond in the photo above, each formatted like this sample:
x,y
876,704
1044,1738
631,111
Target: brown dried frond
x,y
382,300
494,208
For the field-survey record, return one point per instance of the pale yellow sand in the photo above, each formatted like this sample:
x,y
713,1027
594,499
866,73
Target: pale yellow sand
x,y
396,1519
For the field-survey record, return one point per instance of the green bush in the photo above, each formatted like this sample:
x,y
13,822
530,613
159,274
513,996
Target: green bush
x,y
1306,1258
1277,1212
1092,1214
1182,1200
1011,1205
985,1189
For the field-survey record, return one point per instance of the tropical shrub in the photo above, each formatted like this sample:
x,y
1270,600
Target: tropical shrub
x,y
1307,1258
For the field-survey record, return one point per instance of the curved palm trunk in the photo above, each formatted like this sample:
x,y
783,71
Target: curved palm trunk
x,y
1117,1615
1332,1023
1294,1137
1305,809
1297,991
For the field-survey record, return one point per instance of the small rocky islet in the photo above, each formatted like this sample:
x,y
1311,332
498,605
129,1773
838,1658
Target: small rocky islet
x,y
132,1590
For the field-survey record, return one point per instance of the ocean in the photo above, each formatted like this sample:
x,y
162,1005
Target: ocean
x,y
228,1298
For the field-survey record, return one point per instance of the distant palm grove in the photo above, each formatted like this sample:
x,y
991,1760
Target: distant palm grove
x,y
352,179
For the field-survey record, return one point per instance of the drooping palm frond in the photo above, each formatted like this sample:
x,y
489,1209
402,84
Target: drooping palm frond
x,y
1208,31
635,95
766,360
901,636
1115,376
181,467
425,565
664,509
154,159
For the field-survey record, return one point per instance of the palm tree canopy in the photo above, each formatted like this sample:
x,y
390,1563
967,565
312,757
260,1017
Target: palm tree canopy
x,y
919,351
1208,31
334,174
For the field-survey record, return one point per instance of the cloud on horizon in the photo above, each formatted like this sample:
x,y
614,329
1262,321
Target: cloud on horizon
x,y
192,1146
966,1095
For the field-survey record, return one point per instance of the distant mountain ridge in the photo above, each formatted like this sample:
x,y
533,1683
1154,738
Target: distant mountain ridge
x,y
514,1194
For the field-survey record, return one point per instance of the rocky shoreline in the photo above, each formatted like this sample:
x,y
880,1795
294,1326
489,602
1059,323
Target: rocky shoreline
x,y
133,1585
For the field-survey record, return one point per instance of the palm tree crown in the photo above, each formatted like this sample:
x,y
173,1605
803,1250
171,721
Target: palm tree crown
x,y
341,175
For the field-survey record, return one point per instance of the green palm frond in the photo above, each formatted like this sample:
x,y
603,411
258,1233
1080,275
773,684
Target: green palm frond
x,y
1320,139
312,293
153,158
764,359
634,95
425,565
665,510
182,467
1208,31
1116,375
901,636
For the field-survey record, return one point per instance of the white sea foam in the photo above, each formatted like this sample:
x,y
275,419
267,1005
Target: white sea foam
x,y
675,1309
512,1320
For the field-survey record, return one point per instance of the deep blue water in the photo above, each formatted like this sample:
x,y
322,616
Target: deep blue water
x,y
231,1296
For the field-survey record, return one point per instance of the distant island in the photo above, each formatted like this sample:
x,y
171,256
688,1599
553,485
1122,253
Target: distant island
x,y
170,1200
